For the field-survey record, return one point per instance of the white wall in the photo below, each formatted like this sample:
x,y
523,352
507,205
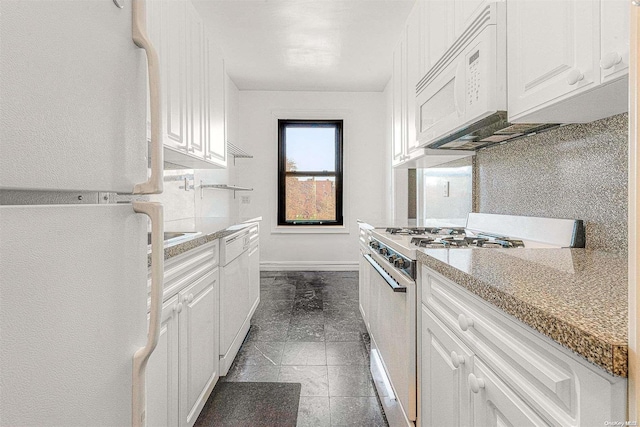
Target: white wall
x,y
366,155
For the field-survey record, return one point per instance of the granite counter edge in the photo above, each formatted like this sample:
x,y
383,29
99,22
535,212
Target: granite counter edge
x,y
610,356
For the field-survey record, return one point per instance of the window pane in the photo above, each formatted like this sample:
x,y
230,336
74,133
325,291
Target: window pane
x,y
310,198
310,149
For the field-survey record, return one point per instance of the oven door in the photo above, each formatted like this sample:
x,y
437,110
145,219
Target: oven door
x,y
392,325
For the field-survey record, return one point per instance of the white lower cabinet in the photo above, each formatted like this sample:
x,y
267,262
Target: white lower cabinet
x,y
198,345
162,371
445,366
495,404
183,369
477,366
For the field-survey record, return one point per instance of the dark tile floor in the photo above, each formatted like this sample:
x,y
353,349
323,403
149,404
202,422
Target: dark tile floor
x,y
308,329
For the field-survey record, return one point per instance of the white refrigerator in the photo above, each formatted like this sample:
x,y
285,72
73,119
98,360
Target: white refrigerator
x,y
78,81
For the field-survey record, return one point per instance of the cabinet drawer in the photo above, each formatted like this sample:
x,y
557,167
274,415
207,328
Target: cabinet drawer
x,y
185,268
526,361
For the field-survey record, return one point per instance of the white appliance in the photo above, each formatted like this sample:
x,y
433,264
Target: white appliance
x,y
462,100
393,301
235,296
73,309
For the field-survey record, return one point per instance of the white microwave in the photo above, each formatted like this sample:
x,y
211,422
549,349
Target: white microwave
x,y
462,100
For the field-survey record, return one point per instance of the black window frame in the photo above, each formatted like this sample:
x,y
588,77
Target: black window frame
x,y
283,124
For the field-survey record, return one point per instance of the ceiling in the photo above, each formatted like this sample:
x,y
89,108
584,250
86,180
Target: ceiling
x,y
306,45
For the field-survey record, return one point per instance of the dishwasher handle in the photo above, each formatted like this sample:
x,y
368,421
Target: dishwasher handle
x,y
387,278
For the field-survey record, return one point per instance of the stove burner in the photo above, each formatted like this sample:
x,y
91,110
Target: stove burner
x,y
454,231
407,231
500,242
466,241
421,241
410,231
456,242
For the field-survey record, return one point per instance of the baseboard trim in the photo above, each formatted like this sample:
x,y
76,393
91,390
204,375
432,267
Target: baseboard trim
x,y
308,266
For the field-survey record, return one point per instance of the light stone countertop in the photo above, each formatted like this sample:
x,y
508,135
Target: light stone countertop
x,y
210,229
577,297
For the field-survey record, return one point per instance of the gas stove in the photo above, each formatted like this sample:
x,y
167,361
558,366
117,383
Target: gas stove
x,y
397,246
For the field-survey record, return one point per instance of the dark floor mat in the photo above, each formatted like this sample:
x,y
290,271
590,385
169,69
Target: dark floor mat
x,y
251,404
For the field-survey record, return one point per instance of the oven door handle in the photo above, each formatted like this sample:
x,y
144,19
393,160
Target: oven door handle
x,y
387,278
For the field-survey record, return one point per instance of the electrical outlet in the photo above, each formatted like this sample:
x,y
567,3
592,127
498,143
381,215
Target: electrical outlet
x,y
245,200
445,189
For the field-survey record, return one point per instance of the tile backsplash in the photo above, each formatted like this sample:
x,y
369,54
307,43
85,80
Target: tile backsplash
x,y
192,203
575,171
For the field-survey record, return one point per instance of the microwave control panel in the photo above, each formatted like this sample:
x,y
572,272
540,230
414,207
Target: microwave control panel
x,y
473,79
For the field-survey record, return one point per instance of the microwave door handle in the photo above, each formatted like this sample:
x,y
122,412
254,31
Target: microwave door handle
x,y
155,212
459,85
154,183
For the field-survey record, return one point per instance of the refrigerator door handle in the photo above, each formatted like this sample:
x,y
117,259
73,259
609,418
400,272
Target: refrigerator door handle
x,y
139,34
154,211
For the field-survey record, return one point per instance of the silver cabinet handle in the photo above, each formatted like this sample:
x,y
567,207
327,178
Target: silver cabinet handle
x,y
154,211
154,183
179,307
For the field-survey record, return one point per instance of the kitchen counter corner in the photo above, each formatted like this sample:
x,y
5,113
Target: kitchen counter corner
x,y
577,297
209,229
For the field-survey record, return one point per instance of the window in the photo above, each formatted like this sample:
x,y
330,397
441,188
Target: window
x,y
310,172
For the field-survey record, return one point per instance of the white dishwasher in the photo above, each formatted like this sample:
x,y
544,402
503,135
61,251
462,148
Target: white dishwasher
x,y
235,296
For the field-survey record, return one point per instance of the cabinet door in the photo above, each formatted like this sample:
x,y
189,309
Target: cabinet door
x,y
445,364
254,276
174,80
413,61
216,148
162,370
439,22
397,85
195,89
496,405
546,66
198,345
614,48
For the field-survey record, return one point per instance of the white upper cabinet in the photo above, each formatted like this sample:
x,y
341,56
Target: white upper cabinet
x,y
550,50
216,147
614,49
561,57
196,82
413,73
398,119
192,79
439,30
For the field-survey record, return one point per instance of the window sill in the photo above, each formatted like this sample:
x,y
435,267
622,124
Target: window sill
x,y
310,229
